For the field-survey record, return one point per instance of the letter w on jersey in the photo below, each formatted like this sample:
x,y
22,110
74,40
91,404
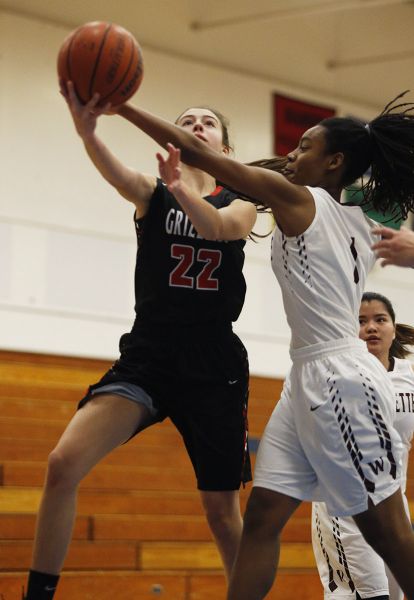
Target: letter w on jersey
x,y
377,465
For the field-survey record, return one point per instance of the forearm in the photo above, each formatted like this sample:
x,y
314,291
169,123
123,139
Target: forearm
x,y
255,182
164,132
106,163
266,186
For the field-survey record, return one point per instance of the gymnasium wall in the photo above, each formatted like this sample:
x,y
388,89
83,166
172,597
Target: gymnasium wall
x,y
67,244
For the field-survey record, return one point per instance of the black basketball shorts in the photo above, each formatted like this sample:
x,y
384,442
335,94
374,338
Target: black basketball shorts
x,y
198,377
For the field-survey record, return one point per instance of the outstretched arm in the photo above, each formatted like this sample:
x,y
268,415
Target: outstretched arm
x,y
232,222
292,205
132,185
395,247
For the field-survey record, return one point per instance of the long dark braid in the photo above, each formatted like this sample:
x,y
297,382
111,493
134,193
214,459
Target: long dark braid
x,y
391,185
387,145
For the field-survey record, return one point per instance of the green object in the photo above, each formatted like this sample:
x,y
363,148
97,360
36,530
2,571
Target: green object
x,y
354,195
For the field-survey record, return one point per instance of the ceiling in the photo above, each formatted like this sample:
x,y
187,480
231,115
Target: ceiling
x,y
361,51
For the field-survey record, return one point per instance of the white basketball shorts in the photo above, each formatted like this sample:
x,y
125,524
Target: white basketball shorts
x,y
330,437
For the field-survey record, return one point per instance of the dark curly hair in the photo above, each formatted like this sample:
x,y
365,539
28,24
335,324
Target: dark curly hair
x,y
386,144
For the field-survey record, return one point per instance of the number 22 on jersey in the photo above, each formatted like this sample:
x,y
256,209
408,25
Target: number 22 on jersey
x,y
207,260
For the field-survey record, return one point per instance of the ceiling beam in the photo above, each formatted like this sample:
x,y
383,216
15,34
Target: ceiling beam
x,y
304,10
369,60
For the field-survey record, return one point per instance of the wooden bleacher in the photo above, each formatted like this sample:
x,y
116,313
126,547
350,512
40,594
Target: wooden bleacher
x,y
140,530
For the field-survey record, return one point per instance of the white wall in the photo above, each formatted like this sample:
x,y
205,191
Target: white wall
x,y
67,245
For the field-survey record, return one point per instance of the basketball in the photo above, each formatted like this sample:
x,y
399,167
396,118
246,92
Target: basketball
x,y
101,57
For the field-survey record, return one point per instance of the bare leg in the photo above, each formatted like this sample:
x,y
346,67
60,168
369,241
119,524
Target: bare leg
x,y
255,569
396,592
102,424
388,530
224,518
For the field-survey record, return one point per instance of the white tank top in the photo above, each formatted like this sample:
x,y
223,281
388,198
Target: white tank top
x,y
322,272
402,377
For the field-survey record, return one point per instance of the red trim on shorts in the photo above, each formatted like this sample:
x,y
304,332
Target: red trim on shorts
x,y
217,191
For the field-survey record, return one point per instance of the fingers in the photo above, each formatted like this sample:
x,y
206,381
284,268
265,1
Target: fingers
x,y
63,88
386,254
91,107
71,92
160,158
385,232
174,155
71,97
174,152
381,245
108,109
169,167
383,249
67,90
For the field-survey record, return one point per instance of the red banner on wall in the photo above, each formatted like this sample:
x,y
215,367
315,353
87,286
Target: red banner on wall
x,y
291,118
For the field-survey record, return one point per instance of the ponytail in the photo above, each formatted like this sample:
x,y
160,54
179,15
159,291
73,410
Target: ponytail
x,y
404,336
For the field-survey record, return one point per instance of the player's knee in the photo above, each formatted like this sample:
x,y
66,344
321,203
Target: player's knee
x,y
61,471
222,522
222,515
259,514
385,539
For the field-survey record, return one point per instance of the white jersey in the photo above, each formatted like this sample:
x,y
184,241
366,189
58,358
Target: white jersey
x,y
402,378
344,559
330,437
322,272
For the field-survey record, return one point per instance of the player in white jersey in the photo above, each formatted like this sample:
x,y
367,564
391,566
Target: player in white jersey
x,y
321,441
348,567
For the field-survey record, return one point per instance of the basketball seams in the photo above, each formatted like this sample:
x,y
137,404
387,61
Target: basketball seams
x,y
98,57
101,57
67,56
68,61
133,54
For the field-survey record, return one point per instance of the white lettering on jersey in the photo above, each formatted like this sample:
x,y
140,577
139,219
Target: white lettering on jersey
x,y
178,223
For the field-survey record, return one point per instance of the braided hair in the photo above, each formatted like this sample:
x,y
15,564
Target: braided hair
x,y
386,144
404,334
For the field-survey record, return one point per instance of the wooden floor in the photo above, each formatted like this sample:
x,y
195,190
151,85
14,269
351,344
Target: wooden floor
x,y
140,530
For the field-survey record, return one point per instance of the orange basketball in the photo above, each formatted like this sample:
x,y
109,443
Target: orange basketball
x,y
104,58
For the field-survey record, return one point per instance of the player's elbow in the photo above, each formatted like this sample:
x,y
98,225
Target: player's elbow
x,y
212,233
212,229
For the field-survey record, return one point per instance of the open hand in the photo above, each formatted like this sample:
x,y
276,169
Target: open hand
x,y
170,169
84,116
396,247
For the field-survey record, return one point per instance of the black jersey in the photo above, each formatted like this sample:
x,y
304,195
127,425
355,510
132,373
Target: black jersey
x,y
181,278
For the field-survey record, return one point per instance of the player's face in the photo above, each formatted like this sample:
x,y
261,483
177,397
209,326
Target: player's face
x,y
376,327
307,164
204,124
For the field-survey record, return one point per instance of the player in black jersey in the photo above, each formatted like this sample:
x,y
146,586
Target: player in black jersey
x,y
181,359
334,420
